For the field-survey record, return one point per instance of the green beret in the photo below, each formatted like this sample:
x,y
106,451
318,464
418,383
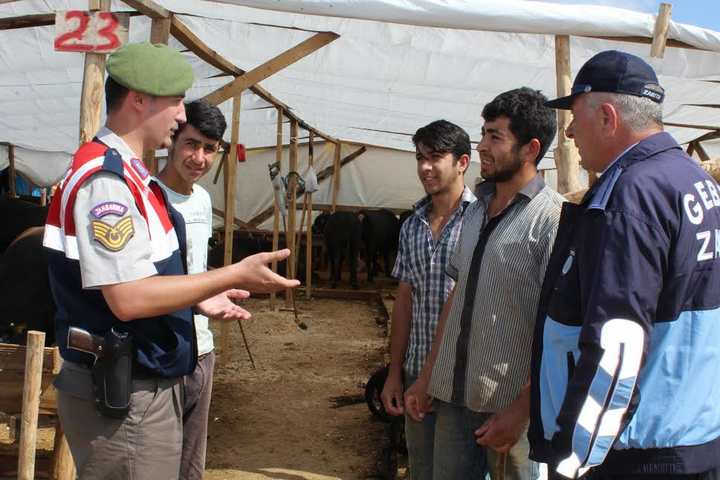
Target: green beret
x,y
153,69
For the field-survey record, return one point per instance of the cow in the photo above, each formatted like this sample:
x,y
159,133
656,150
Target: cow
x,y
380,232
343,233
26,302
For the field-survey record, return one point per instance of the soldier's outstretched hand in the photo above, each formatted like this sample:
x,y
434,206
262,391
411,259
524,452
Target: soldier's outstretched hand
x,y
255,275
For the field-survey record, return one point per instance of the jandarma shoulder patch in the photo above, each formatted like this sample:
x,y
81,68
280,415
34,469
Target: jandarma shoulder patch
x,y
113,237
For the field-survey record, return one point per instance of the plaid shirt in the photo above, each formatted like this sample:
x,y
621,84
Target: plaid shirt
x,y
421,262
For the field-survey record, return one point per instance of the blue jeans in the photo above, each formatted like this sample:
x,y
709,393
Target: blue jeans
x,y
458,457
420,438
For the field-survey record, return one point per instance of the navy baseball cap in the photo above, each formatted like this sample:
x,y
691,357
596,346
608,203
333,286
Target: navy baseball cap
x,y
613,72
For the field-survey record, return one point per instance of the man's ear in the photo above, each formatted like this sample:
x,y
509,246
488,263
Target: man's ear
x,y
464,162
530,151
609,117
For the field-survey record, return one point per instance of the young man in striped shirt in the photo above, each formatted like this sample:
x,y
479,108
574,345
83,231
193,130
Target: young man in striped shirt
x,y
427,239
478,368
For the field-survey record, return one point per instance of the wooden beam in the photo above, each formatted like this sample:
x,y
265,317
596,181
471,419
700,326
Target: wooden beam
x,y
566,156
238,223
336,174
12,173
93,91
322,175
27,21
230,188
160,30
704,157
308,229
149,8
159,33
271,67
193,43
275,209
63,467
292,194
662,23
31,404
645,40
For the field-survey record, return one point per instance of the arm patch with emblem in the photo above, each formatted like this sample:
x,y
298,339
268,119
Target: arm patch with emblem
x,y
113,237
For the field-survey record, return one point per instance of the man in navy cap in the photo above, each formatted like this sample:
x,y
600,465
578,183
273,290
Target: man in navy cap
x,y
626,354
116,254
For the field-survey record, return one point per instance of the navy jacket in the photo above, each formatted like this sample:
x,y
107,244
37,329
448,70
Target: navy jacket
x,y
626,354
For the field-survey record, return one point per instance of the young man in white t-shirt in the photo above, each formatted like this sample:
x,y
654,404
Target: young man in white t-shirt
x,y
195,145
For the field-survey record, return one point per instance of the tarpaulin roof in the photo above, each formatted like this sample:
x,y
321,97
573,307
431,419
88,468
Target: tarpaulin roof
x,y
398,65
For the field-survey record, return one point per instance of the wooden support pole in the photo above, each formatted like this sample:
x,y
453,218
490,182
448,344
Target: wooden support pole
x,y
336,175
276,207
271,67
159,33
230,188
11,170
30,404
704,157
195,44
160,30
662,24
292,209
93,86
149,8
566,156
63,467
309,233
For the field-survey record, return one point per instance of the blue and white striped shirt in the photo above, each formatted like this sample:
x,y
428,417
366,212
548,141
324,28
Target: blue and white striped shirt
x,y
421,262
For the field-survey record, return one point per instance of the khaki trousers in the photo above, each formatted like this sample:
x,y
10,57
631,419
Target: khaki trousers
x,y
146,444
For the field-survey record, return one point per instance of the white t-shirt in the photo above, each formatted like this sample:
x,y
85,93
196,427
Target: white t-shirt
x,y
196,209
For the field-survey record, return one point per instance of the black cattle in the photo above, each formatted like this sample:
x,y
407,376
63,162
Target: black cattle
x,y
380,232
246,244
405,215
16,216
342,240
26,302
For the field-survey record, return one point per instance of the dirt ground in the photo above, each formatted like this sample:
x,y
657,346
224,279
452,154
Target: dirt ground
x,y
288,418
301,413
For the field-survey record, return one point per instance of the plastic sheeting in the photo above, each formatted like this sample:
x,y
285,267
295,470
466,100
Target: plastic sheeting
x,y
513,16
375,85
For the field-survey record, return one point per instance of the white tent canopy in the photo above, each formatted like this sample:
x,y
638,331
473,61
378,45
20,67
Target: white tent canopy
x,y
375,85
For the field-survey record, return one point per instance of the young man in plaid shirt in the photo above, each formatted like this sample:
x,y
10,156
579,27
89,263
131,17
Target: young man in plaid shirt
x,y
427,240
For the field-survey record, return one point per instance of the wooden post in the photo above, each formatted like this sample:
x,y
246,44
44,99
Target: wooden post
x,y
30,404
309,233
93,91
230,187
336,175
662,24
159,33
292,208
276,210
63,467
11,170
566,156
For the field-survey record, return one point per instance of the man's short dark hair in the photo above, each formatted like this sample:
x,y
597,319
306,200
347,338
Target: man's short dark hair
x,y
114,94
443,137
205,118
529,117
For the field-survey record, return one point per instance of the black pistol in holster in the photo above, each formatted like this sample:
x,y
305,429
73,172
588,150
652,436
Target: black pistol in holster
x,y
112,370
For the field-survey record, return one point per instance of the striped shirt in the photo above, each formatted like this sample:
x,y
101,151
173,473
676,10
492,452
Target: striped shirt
x,y
422,262
484,357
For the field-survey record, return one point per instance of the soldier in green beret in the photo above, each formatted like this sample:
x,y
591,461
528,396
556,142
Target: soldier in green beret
x,y
117,271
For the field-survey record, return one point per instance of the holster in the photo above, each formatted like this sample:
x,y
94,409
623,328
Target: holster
x,y
112,375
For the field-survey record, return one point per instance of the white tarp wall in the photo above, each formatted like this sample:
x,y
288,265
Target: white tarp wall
x,y
365,181
375,85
